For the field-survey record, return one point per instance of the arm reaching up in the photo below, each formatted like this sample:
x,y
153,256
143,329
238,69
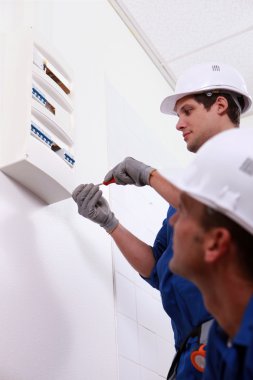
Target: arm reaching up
x,y
165,188
133,172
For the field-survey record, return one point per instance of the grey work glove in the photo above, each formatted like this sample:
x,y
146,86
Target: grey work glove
x,y
130,172
93,206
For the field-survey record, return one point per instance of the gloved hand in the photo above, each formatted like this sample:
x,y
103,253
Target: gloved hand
x,y
130,172
93,206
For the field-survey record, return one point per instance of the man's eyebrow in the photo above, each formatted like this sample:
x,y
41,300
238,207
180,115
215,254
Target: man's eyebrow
x,y
182,108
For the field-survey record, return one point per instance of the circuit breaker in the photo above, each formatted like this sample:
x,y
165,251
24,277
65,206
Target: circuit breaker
x,y
36,131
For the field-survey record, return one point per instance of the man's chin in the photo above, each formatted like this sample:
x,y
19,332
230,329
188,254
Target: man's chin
x,y
192,148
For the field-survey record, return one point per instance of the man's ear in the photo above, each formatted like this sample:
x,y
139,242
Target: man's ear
x,y
217,243
222,104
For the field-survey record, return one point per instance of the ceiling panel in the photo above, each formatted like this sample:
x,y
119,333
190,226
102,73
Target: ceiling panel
x,y
178,34
179,27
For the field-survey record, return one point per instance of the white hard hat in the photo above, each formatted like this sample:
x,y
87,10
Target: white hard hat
x,y
204,78
221,175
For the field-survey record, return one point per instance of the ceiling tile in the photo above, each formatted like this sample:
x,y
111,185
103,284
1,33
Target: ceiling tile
x,y
182,33
176,28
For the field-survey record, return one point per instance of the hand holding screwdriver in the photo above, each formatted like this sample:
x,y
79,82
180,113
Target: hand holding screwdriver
x,y
106,183
129,172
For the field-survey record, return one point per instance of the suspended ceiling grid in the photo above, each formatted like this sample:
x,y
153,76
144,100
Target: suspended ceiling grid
x,y
179,33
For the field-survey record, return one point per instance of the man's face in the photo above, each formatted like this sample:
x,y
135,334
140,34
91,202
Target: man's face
x,y
195,122
188,241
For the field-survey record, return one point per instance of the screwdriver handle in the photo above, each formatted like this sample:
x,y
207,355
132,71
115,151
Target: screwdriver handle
x,y
106,183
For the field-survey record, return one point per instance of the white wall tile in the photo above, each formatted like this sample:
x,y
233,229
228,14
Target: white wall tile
x,y
129,370
141,283
148,349
121,265
166,352
125,296
151,314
127,333
149,375
156,354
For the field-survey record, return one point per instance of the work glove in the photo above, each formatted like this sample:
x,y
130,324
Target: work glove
x,y
93,206
130,172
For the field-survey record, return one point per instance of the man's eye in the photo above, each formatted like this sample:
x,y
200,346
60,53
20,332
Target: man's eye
x,y
187,112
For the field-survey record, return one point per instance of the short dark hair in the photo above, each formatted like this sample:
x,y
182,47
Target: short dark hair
x,y
209,98
241,237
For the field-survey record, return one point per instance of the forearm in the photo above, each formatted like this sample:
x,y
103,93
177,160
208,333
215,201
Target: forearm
x,y
137,253
165,188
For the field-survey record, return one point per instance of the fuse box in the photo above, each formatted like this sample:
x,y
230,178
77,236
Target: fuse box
x,y
36,130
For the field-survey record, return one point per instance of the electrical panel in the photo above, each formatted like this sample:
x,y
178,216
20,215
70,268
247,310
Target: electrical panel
x,y
36,129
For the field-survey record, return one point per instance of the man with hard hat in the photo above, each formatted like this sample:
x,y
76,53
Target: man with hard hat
x,y
213,248
208,99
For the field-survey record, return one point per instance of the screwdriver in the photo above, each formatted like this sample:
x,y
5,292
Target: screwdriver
x,y
106,183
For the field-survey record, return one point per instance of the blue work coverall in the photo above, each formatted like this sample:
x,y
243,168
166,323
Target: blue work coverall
x,y
231,360
181,300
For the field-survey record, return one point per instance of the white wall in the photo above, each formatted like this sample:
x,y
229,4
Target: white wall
x,y
57,318
247,121
57,300
71,307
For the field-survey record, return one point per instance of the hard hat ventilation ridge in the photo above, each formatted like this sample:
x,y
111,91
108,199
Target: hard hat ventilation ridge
x,y
215,67
207,78
247,166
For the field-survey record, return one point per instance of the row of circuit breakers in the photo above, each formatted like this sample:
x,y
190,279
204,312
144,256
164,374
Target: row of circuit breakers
x,y
37,148
55,113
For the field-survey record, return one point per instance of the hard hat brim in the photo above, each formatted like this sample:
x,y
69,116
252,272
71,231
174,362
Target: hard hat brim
x,y
168,104
212,203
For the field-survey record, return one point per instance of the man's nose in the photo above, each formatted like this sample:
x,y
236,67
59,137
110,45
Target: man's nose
x,y
180,124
